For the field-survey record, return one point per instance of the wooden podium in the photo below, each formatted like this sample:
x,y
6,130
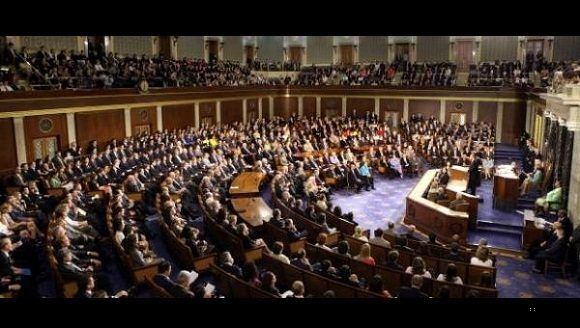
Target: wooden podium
x,y
505,191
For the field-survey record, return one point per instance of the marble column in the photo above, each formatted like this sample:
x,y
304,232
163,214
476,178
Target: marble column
x,y
159,112
300,106
20,141
71,128
260,108
475,111
442,109
127,115
218,113
318,110
245,110
406,109
196,114
498,121
343,113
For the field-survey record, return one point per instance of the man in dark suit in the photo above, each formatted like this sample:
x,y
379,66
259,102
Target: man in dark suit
x,y
353,179
162,278
555,253
474,177
415,290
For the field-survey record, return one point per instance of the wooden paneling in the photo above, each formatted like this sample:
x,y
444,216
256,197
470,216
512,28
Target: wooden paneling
x,y
207,110
309,106
285,106
463,107
513,122
426,107
232,111
178,116
265,107
8,153
487,112
101,126
32,130
395,105
330,106
144,116
361,105
252,109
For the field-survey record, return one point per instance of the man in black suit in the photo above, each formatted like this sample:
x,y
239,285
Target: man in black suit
x,y
474,177
555,253
415,290
162,279
353,179
227,263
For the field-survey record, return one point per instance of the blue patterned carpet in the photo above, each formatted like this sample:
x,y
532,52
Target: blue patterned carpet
x,y
515,279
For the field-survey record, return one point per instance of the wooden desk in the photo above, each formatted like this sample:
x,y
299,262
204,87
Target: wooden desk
x,y
246,184
505,192
254,211
531,233
458,178
431,217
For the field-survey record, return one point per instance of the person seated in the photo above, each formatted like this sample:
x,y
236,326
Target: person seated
x,y
376,285
552,201
393,261
454,252
251,274
555,253
296,291
433,191
412,233
379,239
482,257
443,177
300,260
366,175
227,263
343,248
441,196
365,254
418,266
183,286
359,234
458,202
248,242
450,275
277,249
533,180
415,290
269,283
321,241
326,269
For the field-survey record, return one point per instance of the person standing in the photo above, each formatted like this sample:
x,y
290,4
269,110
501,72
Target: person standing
x,y
474,177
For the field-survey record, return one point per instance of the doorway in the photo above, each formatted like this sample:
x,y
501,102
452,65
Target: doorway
x,y
402,51
296,54
165,47
465,55
534,51
144,129
250,54
45,147
213,50
347,54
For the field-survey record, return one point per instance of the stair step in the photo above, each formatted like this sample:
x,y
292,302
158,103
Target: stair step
x,y
487,223
501,230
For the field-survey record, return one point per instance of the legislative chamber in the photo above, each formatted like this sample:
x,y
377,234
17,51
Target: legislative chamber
x,y
289,167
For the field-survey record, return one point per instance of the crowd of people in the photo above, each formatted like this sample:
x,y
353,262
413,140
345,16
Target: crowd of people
x,y
69,69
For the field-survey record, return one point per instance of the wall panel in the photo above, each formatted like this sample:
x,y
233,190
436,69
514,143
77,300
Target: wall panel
x,y
232,111
178,116
499,47
427,108
102,126
372,48
432,48
190,46
319,49
8,154
45,126
141,116
129,45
